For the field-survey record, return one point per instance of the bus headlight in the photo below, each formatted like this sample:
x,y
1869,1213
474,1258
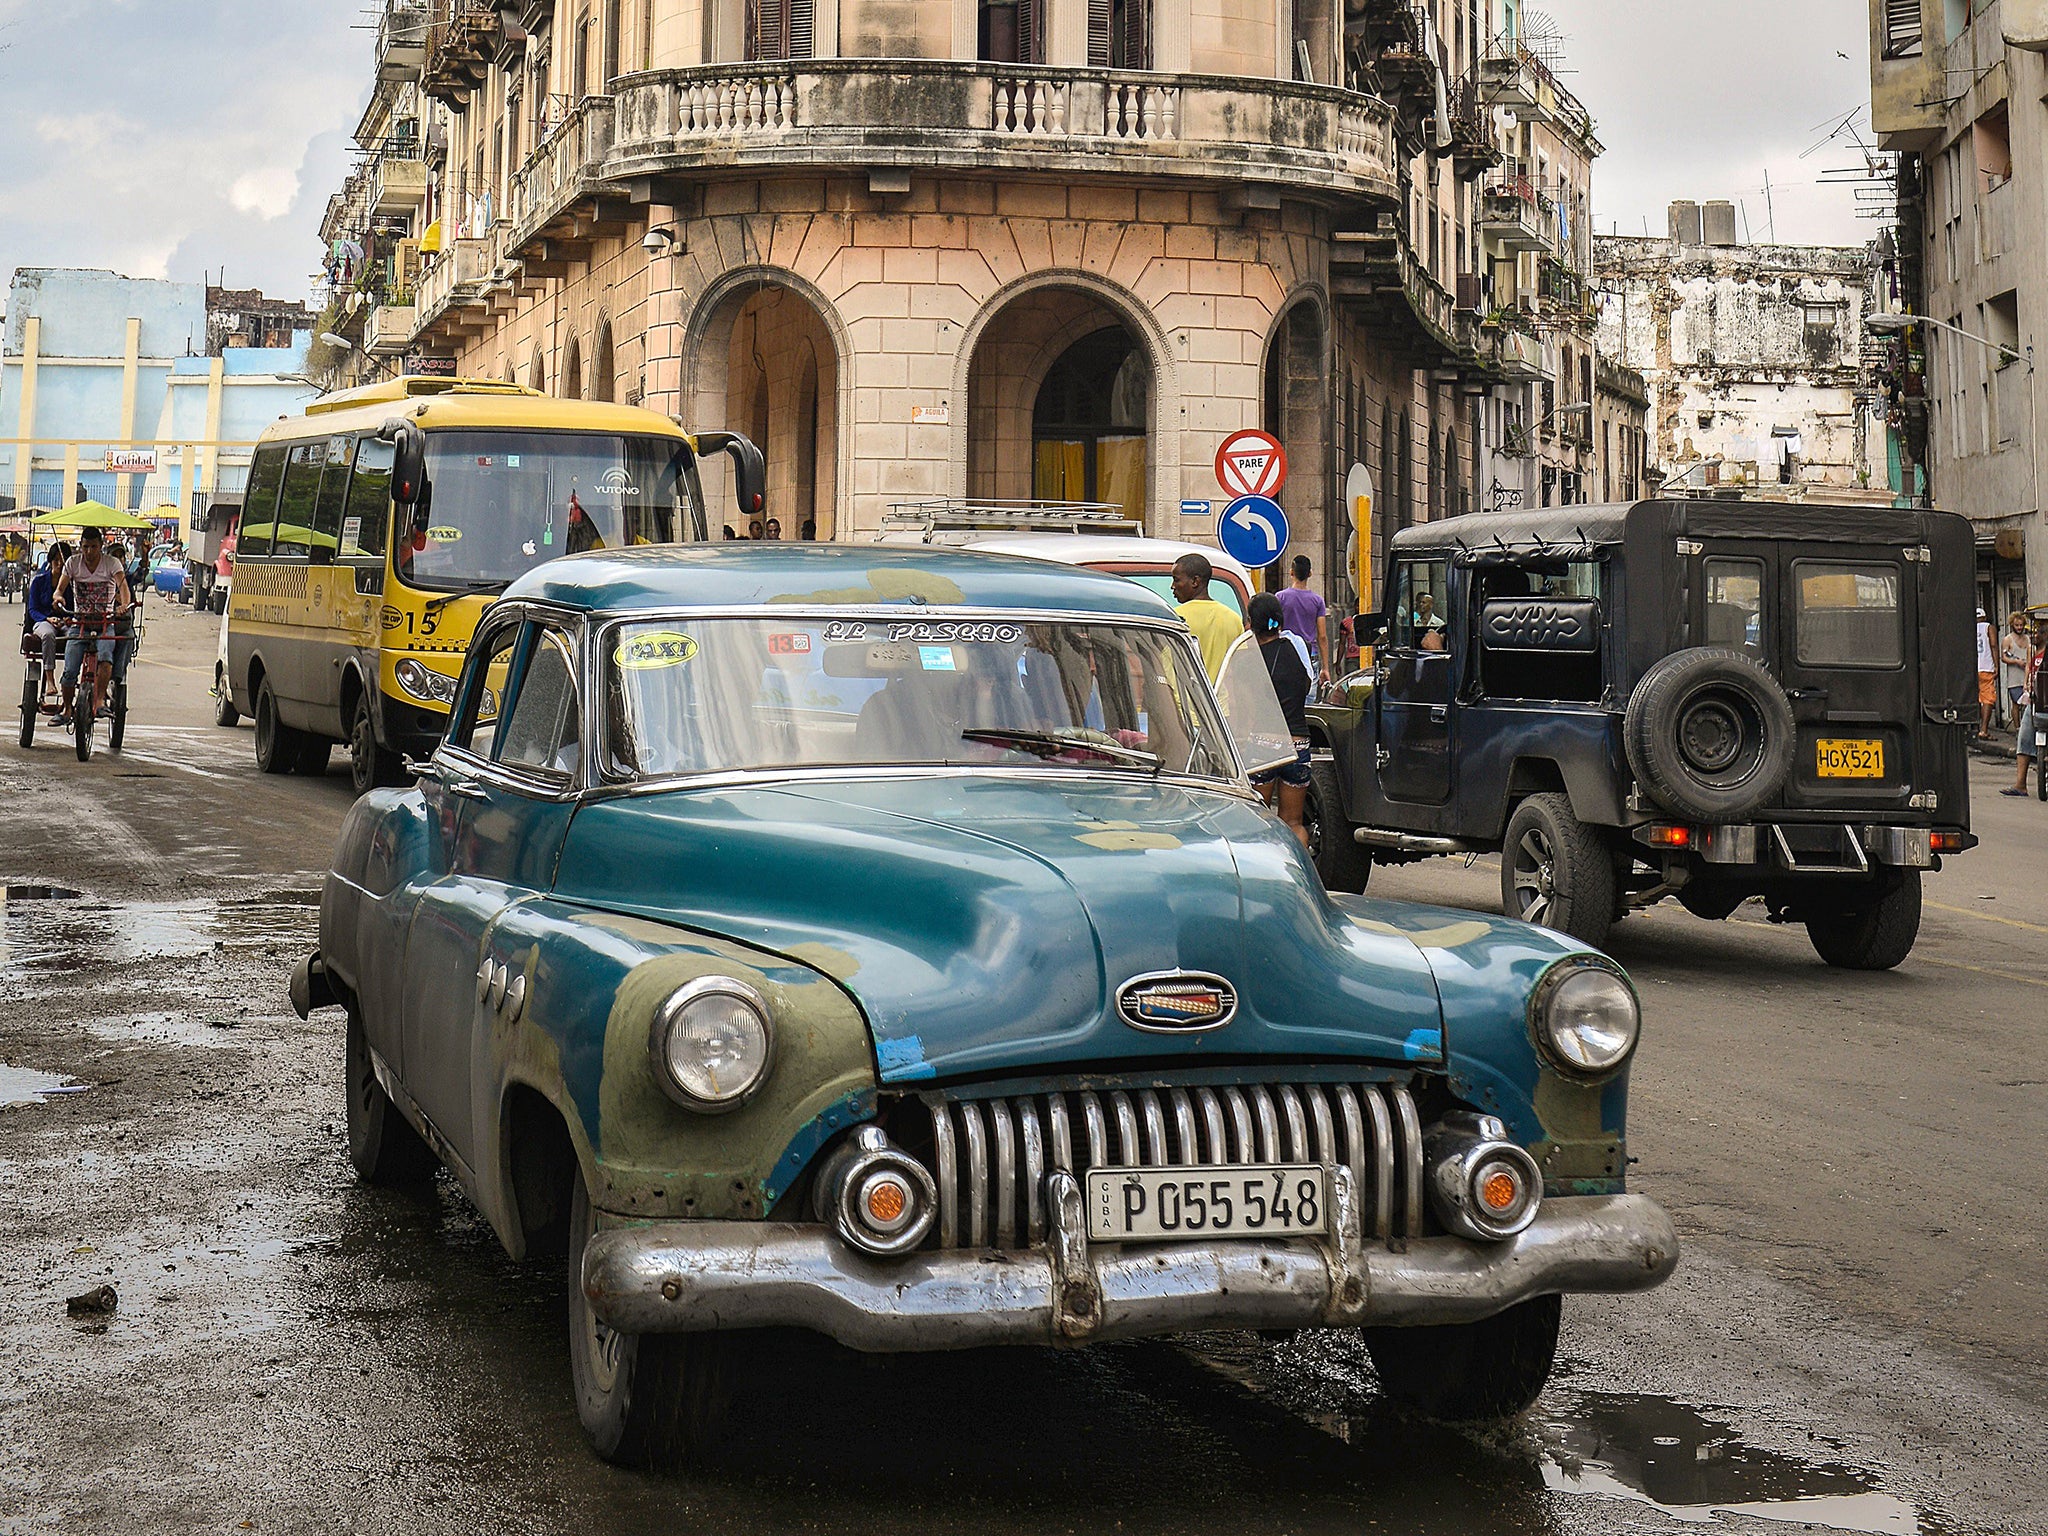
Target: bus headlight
x,y
425,684
711,1044
1585,1017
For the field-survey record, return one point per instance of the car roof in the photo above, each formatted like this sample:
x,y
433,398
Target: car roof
x,y
746,573
1107,549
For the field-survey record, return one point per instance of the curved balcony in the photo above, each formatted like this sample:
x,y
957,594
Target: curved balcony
x,y
941,115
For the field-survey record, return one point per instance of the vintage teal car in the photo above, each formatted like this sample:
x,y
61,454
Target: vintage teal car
x,y
887,942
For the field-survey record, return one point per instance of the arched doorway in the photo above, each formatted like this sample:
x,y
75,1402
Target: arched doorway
x,y
603,365
1088,424
1297,404
766,363
537,371
1061,405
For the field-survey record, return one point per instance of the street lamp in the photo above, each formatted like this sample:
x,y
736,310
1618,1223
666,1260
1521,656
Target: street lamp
x,y
1891,325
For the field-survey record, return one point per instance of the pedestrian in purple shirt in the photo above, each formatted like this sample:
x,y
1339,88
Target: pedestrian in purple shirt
x,y
1306,615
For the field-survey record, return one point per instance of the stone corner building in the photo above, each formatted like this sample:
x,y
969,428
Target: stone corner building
x,y
1049,249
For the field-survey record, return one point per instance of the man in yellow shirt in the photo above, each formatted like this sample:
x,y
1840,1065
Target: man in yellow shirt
x,y
1215,626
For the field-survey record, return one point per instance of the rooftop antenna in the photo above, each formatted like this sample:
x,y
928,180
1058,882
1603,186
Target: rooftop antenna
x,y
1770,211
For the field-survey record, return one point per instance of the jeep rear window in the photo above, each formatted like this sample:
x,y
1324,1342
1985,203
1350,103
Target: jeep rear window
x,y
1735,604
1849,615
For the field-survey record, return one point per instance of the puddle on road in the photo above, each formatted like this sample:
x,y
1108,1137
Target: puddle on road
x,y
24,1085
1664,1453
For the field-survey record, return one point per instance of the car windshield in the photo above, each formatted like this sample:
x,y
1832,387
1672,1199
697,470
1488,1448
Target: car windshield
x,y
719,695
500,503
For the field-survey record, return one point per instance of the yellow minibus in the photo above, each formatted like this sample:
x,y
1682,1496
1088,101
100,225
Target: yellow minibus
x,y
378,526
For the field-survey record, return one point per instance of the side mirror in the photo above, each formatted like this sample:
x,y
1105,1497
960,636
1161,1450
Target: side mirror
x,y
409,460
1369,629
749,469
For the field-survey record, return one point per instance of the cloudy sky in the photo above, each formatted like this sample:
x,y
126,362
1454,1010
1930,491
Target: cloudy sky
x,y
172,138
1700,101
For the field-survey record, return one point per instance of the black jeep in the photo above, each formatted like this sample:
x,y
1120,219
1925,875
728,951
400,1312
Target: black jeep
x,y
1711,700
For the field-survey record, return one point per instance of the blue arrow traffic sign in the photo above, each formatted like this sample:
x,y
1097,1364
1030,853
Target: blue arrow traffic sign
x,y
1253,531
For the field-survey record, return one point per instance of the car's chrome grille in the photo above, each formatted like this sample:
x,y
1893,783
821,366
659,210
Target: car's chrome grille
x,y
990,1156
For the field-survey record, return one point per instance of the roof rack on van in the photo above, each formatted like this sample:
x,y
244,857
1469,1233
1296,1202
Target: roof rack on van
x,y
931,521
412,386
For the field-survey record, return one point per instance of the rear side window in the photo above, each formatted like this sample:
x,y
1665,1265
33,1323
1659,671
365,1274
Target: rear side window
x,y
543,730
1735,604
301,492
1422,605
1849,614
259,502
1220,590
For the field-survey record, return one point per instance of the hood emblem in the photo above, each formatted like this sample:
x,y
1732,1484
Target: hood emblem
x,y
1176,1002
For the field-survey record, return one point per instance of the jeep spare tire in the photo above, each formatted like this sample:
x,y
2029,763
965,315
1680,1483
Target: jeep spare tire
x,y
1709,734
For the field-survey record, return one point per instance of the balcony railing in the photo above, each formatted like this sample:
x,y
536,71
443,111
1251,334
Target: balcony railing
x,y
1514,213
943,114
461,266
563,169
389,329
400,182
402,40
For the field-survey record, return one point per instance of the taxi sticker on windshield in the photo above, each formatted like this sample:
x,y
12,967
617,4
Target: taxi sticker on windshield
x,y
936,658
657,648
444,533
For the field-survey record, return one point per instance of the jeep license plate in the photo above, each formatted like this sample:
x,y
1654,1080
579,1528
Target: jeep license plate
x,y
1135,1205
1849,759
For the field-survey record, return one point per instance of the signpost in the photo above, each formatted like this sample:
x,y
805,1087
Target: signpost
x,y
1253,531
1251,464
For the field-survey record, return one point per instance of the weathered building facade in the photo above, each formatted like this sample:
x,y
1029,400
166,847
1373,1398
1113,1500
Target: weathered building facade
x,y
1753,356
960,249
1957,90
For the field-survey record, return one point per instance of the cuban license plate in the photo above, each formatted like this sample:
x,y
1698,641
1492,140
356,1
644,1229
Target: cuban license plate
x,y
1849,759
1135,1205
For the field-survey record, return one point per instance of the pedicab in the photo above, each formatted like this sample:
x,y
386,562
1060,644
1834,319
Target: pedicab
x,y
91,628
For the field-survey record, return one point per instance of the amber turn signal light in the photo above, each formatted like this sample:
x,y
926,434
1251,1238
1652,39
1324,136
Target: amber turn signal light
x,y
1670,837
886,1200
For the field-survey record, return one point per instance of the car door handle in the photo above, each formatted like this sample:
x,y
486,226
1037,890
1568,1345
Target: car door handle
x,y
466,788
1439,713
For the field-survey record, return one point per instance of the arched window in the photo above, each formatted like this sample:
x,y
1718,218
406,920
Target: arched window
x,y
1089,424
537,371
572,371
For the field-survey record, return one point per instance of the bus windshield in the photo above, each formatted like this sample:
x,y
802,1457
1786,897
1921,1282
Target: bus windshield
x,y
499,503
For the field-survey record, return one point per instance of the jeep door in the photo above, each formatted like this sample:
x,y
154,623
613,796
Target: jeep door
x,y
1847,656
1413,700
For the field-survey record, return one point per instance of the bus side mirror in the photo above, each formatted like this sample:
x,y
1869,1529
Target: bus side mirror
x,y
749,469
409,460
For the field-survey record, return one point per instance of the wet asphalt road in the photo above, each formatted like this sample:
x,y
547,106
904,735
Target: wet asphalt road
x,y
1857,1338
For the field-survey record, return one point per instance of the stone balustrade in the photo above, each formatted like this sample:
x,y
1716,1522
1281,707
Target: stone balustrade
x,y
941,115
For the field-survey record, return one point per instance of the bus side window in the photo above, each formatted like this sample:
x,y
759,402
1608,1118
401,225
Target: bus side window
x,y
326,539
259,505
368,514
301,492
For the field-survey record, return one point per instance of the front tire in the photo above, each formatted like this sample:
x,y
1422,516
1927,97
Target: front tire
x,y
1342,861
645,1400
1467,1372
81,718
1875,937
383,1148
225,714
1555,872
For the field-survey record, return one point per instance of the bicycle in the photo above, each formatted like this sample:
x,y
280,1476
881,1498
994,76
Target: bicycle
x,y
91,629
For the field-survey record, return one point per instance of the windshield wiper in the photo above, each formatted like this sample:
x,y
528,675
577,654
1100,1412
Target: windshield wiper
x,y
1051,744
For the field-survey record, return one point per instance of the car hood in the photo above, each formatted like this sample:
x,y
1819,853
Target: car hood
x,y
985,923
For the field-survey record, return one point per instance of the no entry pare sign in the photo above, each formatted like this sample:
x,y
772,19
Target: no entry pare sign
x,y
1251,464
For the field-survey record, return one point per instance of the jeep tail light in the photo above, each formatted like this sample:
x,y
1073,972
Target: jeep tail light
x,y
1946,842
1670,837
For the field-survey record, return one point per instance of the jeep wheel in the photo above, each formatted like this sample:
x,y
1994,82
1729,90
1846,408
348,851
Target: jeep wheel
x,y
383,1148
1555,872
1461,1372
1709,734
1875,936
646,1400
1342,861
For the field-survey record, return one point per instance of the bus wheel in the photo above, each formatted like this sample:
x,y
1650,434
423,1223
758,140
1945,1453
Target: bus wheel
x,y
278,746
370,765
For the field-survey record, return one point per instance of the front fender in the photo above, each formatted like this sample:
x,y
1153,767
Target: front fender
x,y
1486,970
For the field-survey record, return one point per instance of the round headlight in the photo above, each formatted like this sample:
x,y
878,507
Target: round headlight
x,y
712,1043
1588,1019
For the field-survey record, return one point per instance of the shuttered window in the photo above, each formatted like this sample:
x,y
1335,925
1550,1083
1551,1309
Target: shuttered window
x,y
1012,31
781,29
1903,32
1120,34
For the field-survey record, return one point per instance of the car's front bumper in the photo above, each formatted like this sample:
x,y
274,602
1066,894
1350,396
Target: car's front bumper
x,y
705,1276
